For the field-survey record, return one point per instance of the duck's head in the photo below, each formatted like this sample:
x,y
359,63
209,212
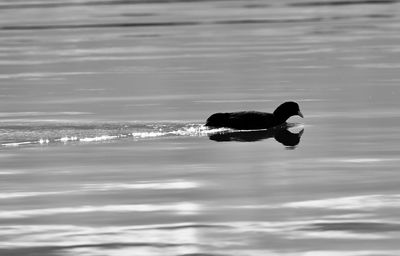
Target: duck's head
x,y
286,110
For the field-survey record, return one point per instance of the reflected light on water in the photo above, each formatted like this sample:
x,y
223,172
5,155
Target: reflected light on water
x,y
151,185
342,235
189,251
90,240
145,185
357,160
129,251
364,202
177,208
185,238
9,172
9,195
364,160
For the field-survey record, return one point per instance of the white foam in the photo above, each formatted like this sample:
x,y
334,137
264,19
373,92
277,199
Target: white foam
x,y
198,131
66,139
147,134
44,141
99,138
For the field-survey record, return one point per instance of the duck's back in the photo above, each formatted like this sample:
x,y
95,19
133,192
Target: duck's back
x,y
244,120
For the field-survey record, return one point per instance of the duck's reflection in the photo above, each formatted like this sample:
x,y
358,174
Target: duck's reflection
x,y
281,134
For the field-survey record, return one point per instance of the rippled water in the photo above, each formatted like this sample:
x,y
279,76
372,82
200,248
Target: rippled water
x,y
104,152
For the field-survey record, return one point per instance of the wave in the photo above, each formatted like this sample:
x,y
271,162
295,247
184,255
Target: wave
x,y
159,24
101,25
192,23
59,4
342,3
22,134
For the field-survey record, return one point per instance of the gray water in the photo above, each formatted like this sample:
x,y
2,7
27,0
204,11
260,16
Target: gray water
x,y
104,152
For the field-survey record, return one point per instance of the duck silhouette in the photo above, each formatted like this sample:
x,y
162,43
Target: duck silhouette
x,y
255,120
280,133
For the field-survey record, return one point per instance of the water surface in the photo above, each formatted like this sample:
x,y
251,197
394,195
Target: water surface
x,y
103,149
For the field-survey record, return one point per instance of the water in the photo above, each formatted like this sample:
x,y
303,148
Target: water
x,y
103,149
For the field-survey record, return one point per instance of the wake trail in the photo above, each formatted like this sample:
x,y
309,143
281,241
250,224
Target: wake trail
x,y
22,134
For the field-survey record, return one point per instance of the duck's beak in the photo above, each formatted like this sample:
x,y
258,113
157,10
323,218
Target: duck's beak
x,y
300,114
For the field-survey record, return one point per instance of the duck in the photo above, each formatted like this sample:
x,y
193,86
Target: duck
x,y
255,120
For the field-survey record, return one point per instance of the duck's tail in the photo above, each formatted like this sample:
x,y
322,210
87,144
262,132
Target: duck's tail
x,y
218,120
